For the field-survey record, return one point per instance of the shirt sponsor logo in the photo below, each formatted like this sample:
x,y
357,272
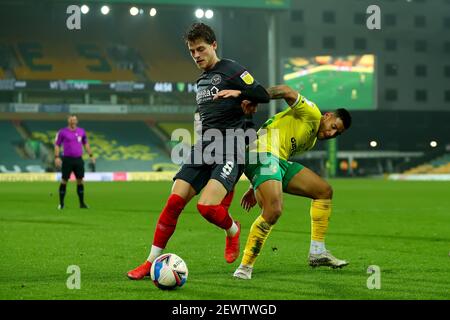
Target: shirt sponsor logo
x,y
205,95
247,78
293,146
214,91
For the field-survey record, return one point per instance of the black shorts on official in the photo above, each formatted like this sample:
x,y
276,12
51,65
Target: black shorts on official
x,y
75,165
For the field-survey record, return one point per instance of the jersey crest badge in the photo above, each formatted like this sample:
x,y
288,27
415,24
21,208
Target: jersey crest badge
x,y
216,80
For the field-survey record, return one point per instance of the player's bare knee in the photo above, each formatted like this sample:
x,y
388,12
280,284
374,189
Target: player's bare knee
x,y
207,202
326,192
273,212
276,215
273,216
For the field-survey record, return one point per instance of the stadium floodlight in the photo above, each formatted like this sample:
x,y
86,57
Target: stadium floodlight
x,y
209,14
84,9
141,11
373,143
134,11
433,144
105,10
152,12
199,13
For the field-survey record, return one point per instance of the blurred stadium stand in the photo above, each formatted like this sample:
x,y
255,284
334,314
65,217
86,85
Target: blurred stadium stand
x,y
105,53
60,61
18,153
439,165
27,146
97,60
131,79
118,146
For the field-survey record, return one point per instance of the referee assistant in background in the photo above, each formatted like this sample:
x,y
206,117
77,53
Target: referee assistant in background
x,y
72,138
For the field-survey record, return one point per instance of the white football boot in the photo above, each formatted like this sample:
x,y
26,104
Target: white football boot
x,y
243,272
326,259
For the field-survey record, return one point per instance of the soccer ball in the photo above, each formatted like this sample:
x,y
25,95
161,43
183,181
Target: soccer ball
x,y
169,271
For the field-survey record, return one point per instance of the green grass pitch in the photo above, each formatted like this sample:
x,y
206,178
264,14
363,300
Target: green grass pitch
x,y
402,227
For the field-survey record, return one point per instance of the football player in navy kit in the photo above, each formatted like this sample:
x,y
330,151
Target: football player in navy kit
x,y
217,173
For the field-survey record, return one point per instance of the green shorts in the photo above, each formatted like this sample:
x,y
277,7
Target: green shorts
x,y
270,168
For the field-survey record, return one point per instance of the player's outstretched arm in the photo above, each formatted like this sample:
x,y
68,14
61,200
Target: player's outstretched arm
x,y
284,92
256,95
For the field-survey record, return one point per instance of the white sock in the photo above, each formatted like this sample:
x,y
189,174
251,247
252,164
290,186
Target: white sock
x,y
155,252
317,247
233,230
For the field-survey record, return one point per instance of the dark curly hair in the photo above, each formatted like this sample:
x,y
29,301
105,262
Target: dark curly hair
x,y
200,31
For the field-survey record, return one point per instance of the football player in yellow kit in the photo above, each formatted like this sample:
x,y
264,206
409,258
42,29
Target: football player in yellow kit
x,y
290,132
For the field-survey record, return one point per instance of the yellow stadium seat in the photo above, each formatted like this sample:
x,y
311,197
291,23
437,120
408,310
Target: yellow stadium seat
x,y
68,64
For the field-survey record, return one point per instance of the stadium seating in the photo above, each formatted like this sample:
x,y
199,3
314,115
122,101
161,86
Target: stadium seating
x,y
166,59
12,157
441,164
94,57
436,166
169,127
60,60
118,146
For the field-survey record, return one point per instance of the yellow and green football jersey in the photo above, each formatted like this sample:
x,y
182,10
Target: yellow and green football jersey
x,y
291,131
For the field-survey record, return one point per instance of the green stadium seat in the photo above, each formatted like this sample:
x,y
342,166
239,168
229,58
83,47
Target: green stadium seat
x,y
10,158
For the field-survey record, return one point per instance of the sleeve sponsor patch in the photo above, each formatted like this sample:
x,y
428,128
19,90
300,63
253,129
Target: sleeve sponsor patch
x,y
247,78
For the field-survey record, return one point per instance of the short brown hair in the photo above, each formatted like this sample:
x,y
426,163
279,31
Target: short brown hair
x,y
200,30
